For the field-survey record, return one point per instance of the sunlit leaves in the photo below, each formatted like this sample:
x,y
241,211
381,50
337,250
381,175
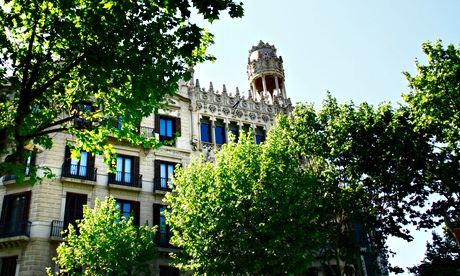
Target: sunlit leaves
x,y
106,244
252,211
122,57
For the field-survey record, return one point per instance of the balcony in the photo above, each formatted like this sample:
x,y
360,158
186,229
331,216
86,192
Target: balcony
x,y
79,172
147,132
126,179
9,177
13,229
161,184
57,226
163,245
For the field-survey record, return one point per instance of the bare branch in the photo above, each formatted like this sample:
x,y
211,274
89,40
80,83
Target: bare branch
x,y
54,130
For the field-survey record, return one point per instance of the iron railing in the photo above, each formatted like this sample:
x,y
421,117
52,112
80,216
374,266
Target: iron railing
x,y
126,179
79,172
161,184
162,240
9,177
147,132
57,226
11,229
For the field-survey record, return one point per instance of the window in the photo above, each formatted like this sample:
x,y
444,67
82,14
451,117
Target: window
x,y
205,126
220,132
246,128
234,129
74,208
127,171
81,109
260,135
167,127
82,168
28,163
129,208
120,122
8,266
163,173
124,169
164,232
15,215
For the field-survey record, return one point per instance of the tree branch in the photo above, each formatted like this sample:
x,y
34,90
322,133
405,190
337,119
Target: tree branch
x,y
52,124
39,91
28,61
46,132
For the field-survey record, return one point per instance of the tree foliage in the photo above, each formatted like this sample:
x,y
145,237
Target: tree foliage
x,y
434,106
251,212
442,257
121,57
377,168
106,244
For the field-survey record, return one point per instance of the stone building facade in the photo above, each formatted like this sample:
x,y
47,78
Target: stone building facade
x,y
32,217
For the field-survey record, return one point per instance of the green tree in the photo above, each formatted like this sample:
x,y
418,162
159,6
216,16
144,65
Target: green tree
x,y
251,212
434,106
93,61
341,168
442,257
106,244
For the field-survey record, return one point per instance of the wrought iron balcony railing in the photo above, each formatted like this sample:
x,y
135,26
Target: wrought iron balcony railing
x,y
147,132
12,229
79,172
161,184
57,226
126,179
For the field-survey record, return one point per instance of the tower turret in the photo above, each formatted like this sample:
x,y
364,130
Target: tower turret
x,y
266,74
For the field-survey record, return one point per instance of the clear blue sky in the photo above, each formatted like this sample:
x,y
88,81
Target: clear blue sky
x,y
355,49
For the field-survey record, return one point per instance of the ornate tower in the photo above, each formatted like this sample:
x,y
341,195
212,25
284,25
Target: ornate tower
x,y
266,74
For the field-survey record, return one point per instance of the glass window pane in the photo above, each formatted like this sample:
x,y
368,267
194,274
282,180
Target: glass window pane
x,y
162,127
73,167
162,227
120,122
170,170
220,135
127,209
163,176
169,128
127,172
205,137
83,163
119,171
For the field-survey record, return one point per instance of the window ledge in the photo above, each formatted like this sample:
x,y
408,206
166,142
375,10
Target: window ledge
x,y
124,187
160,192
15,241
168,249
13,181
78,180
57,239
